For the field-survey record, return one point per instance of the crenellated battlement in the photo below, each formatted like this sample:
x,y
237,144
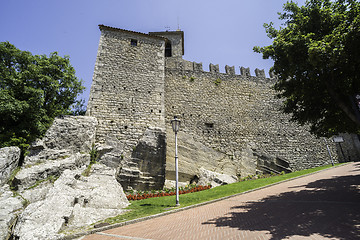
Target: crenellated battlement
x,y
184,65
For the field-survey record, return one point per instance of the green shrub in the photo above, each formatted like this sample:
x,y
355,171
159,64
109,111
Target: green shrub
x,y
94,154
217,82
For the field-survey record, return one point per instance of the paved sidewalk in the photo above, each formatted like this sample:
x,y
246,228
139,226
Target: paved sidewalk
x,y
325,205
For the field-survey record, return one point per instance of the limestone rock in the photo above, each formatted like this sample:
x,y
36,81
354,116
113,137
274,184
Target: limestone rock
x,y
30,175
194,155
9,160
268,164
145,170
37,193
74,201
172,184
111,153
67,135
10,207
215,179
249,160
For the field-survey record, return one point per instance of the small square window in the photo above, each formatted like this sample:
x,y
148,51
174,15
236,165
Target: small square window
x,y
133,42
209,125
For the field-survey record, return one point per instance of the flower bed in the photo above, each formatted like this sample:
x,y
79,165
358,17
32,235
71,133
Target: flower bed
x,y
166,192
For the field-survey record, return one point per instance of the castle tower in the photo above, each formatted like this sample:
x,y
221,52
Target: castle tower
x,y
174,44
127,98
127,93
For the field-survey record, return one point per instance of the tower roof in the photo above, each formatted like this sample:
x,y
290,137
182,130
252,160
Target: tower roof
x,y
170,33
103,27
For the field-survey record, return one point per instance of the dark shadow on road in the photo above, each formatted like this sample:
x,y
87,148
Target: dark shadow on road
x,y
357,168
329,207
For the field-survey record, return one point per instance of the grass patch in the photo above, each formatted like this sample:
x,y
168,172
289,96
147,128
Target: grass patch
x,y
151,206
87,171
51,179
94,155
13,174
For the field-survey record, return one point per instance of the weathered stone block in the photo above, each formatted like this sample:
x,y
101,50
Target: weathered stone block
x,y
9,160
145,170
213,178
10,208
67,135
30,175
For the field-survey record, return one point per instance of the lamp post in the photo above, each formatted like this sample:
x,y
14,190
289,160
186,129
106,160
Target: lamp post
x,y
175,123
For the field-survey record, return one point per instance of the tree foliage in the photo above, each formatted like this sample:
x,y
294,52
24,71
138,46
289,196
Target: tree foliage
x,y
316,57
34,89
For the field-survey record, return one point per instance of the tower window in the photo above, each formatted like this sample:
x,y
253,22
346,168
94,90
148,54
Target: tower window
x,y
168,49
209,125
133,42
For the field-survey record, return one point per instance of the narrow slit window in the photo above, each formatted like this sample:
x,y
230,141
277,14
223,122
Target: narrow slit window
x,y
168,49
209,125
133,42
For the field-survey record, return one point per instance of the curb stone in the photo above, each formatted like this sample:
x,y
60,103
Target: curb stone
x,y
80,235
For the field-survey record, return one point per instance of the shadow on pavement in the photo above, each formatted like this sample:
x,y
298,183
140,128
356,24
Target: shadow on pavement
x,y
328,207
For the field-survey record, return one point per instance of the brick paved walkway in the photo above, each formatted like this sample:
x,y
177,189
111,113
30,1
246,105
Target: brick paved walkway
x,y
325,205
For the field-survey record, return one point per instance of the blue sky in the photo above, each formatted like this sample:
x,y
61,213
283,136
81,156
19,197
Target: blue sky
x,y
219,32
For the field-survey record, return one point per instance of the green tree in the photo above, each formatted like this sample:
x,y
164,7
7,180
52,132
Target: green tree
x,y
34,89
316,57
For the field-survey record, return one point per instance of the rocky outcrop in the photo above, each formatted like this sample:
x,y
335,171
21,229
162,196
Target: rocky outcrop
x,y
267,164
10,207
57,189
193,155
145,170
31,175
9,160
74,201
67,135
214,179
111,153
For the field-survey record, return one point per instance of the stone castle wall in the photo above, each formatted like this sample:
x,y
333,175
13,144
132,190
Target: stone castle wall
x,y
231,123
237,115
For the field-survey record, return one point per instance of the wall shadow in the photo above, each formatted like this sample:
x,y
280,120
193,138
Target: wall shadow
x,y
329,207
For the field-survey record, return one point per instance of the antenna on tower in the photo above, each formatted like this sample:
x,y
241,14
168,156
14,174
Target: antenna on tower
x,y
178,24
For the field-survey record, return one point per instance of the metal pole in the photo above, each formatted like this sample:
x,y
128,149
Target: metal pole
x,y
176,172
327,146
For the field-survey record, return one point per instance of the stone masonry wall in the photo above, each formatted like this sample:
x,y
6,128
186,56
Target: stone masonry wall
x,y
236,115
127,93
